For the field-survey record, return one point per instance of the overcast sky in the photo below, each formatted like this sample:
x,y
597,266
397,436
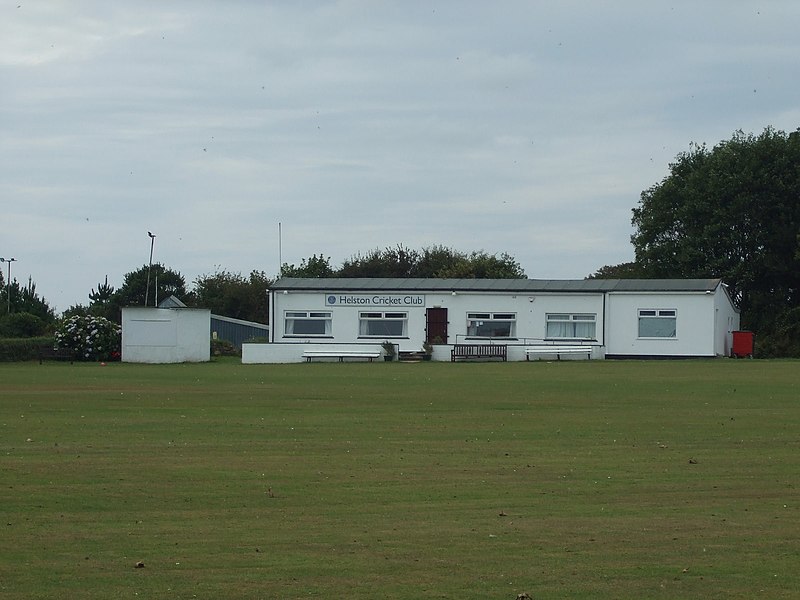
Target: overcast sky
x,y
522,127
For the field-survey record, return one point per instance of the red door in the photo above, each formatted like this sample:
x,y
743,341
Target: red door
x,y
436,327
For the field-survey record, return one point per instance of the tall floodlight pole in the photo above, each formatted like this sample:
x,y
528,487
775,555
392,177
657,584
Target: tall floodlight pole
x,y
149,266
8,283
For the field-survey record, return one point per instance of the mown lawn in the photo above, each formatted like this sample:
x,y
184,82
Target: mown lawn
x,y
564,480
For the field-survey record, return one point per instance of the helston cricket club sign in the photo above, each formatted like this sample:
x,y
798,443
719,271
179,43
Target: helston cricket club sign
x,y
375,300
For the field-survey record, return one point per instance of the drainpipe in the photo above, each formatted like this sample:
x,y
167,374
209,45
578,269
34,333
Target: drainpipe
x,y
605,295
271,315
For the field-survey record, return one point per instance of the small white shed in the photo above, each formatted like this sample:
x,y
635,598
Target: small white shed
x,y
165,335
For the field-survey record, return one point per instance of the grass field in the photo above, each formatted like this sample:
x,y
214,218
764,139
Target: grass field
x,y
580,479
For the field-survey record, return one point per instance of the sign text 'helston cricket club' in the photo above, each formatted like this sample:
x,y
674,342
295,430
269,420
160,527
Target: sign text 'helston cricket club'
x,y
375,300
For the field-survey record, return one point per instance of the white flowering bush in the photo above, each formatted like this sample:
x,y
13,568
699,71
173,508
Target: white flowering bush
x,y
89,338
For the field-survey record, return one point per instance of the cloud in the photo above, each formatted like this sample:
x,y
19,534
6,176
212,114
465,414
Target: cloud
x,y
525,128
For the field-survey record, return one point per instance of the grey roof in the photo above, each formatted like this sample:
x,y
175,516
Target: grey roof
x,y
242,322
171,302
388,284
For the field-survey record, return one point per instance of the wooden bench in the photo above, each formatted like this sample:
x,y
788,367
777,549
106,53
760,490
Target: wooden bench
x,y
50,353
341,354
553,349
478,351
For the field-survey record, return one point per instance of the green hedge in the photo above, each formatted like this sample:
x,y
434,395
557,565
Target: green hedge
x,y
783,341
22,325
21,349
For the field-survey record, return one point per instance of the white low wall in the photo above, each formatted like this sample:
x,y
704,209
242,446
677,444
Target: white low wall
x,y
291,353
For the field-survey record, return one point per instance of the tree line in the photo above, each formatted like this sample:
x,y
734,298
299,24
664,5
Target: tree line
x,y
240,296
234,295
730,212
437,262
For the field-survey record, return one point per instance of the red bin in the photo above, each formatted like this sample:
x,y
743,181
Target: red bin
x,y
742,344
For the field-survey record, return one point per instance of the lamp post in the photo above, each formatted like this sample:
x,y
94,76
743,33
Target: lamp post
x,y
8,283
149,266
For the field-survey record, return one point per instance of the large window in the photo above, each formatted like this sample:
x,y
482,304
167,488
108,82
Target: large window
x,y
657,323
382,324
491,325
571,326
307,323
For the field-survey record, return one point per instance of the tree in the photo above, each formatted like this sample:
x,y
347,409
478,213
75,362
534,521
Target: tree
x,y
232,295
731,212
435,261
163,283
100,301
27,314
259,298
103,293
79,310
391,262
314,266
21,325
626,270
480,265
26,299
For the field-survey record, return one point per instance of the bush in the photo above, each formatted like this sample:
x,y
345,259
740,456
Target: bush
x,y
22,349
90,338
784,338
223,348
21,325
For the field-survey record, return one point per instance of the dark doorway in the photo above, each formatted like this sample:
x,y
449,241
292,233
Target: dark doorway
x,y
436,328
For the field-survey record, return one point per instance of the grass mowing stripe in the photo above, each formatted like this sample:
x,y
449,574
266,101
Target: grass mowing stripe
x,y
568,479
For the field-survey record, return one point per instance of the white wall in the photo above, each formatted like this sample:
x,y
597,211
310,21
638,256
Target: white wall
x,y
530,313
695,324
727,321
162,335
291,353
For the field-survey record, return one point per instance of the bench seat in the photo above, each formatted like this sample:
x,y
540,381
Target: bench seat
x,y
50,353
341,354
558,351
477,351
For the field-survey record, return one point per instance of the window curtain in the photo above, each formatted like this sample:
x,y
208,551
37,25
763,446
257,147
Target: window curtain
x,y
296,326
657,327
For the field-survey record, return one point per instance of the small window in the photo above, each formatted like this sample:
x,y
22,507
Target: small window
x,y
383,324
307,323
571,326
491,325
658,323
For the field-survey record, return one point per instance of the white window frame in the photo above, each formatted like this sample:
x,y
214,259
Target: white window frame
x,y
290,317
370,324
570,322
660,317
478,320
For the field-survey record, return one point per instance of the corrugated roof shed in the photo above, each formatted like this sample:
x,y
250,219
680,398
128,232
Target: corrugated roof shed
x,y
237,331
387,284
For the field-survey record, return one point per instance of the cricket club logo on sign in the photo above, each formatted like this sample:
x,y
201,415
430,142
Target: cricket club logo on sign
x,y
376,300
